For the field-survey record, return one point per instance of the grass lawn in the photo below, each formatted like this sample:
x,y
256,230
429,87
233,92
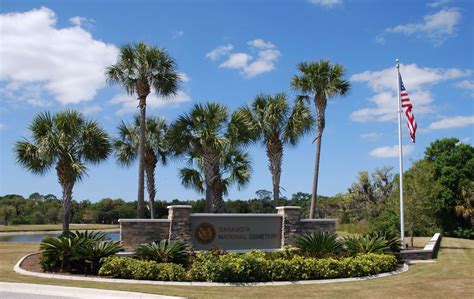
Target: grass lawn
x,y
452,276
54,227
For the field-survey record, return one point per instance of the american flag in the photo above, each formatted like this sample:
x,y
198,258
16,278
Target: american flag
x,y
407,108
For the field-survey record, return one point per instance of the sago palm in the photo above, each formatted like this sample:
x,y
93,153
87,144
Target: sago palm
x,y
320,81
66,141
211,143
276,124
127,146
141,68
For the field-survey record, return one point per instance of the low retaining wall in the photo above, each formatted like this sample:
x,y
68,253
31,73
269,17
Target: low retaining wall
x,y
430,251
227,231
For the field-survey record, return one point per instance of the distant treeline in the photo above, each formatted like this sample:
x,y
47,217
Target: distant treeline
x,y
42,209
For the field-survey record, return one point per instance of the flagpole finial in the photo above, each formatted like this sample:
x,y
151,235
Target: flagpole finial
x,y
398,62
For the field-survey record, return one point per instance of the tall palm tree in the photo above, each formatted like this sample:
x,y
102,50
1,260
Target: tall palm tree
x,y
211,143
66,141
127,145
141,68
274,123
320,81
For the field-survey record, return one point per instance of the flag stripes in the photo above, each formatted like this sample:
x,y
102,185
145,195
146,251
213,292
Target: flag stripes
x,y
408,109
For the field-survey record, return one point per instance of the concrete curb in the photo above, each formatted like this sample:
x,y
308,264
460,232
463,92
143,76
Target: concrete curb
x,y
73,292
21,271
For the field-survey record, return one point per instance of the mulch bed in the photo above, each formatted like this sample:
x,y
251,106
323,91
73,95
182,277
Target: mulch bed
x,y
32,263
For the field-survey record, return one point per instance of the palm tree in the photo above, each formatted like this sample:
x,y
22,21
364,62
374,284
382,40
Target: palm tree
x,y
322,81
141,68
126,148
68,142
211,144
276,125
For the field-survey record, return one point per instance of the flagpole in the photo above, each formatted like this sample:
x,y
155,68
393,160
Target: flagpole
x,y
400,151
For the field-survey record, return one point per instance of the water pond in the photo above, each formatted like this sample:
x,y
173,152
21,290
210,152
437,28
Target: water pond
x,y
22,237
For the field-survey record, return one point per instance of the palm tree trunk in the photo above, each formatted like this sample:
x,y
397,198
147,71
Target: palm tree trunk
x,y
320,109
150,182
211,175
67,199
141,161
275,156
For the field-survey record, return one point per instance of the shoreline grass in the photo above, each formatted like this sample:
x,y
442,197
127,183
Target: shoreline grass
x,y
54,227
450,277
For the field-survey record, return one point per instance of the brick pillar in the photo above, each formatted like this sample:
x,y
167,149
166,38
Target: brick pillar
x,y
290,227
180,224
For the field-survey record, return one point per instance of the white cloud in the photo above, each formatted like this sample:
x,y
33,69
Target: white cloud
x,y
417,81
236,61
178,34
249,66
220,51
67,63
438,3
129,103
390,151
2,127
370,136
18,94
380,39
92,109
452,122
326,3
466,84
184,77
438,27
260,44
81,21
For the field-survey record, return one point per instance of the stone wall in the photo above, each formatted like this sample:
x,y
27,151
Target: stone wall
x,y
178,226
322,225
430,251
137,231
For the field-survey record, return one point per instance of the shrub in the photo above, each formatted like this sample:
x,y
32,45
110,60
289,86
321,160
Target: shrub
x,y
230,267
391,237
93,252
59,252
124,267
164,252
366,244
319,244
79,251
253,266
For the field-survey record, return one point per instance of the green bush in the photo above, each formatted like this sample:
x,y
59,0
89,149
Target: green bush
x,y
366,244
59,252
165,251
253,266
124,267
230,267
76,251
319,244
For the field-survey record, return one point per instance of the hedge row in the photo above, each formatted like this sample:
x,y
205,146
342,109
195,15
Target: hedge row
x,y
249,267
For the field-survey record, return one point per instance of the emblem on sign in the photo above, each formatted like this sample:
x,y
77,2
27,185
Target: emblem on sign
x,y
205,233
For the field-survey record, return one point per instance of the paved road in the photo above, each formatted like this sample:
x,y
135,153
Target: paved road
x,y
9,290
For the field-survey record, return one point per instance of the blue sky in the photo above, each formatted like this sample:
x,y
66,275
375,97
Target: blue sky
x,y
52,56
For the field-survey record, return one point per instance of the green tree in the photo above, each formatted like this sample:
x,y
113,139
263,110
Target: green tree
x,y
420,190
141,68
6,212
211,143
127,146
66,141
276,124
453,164
320,81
